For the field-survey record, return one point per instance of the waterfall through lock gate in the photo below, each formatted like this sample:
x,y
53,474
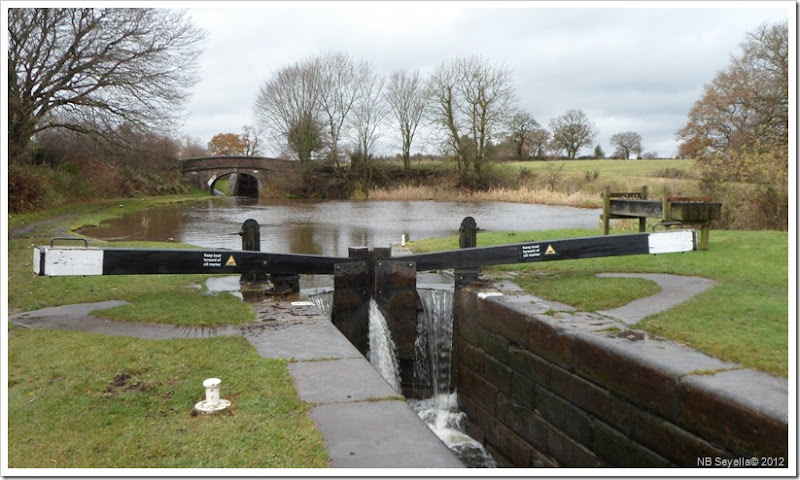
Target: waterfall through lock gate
x,y
382,353
432,366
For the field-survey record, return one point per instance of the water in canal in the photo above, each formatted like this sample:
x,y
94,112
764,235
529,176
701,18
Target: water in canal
x,y
329,228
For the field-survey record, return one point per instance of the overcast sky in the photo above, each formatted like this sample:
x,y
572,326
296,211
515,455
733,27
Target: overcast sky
x,y
636,66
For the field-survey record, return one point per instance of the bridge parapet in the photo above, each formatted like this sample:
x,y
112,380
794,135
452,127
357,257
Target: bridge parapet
x,y
203,172
234,162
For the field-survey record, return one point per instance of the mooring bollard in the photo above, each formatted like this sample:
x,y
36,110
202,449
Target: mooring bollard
x,y
213,403
212,390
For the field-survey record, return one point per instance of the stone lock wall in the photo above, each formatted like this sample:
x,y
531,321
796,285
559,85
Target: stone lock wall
x,y
565,389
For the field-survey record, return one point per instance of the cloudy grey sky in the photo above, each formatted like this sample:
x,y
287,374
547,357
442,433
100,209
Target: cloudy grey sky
x,y
636,66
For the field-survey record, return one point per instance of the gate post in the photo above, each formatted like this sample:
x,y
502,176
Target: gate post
x,y
395,292
643,220
606,215
351,295
467,238
251,240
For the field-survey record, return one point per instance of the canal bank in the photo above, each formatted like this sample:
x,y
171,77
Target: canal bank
x,y
364,423
543,385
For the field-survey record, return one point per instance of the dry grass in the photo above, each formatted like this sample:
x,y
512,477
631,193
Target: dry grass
x,y
546,187
542,196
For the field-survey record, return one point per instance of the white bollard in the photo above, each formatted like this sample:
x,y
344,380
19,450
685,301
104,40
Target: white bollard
x,y
212,390
213,402
403,240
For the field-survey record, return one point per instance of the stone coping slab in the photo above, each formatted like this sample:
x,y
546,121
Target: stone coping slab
x,y
338,381
753,390
300,340
383,434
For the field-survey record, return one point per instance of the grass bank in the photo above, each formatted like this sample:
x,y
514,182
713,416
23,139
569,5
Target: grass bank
x,y
743,318
78,400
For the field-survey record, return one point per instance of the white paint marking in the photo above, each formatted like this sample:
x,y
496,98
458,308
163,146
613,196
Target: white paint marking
x,y
65,261
483,295
672,242
36,256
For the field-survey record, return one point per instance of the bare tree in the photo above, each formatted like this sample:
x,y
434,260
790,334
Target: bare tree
x,y
470,99
288,105
572,131
626,143
191,147
443,91
92,70
521,128
407,98
540,139
367,116
341,84
251,136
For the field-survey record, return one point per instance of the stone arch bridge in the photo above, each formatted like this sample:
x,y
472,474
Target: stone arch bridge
x,y
249,174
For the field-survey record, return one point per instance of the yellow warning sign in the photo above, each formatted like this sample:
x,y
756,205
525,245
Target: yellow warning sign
x,y
550,250
231,262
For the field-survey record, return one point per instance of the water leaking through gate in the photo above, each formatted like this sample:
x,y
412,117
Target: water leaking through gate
x,y
437,406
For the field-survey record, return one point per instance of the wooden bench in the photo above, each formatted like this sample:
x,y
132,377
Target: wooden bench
x,y
670,210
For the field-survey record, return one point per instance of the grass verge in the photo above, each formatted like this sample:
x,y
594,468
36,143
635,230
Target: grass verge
x,y
743,318
78,400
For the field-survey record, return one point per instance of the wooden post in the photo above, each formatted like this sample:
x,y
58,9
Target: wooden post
x,y
666,215
467,238
251,240
643,220
606,209
704,231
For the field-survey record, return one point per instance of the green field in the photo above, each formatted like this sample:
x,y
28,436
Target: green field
x,y
576,183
